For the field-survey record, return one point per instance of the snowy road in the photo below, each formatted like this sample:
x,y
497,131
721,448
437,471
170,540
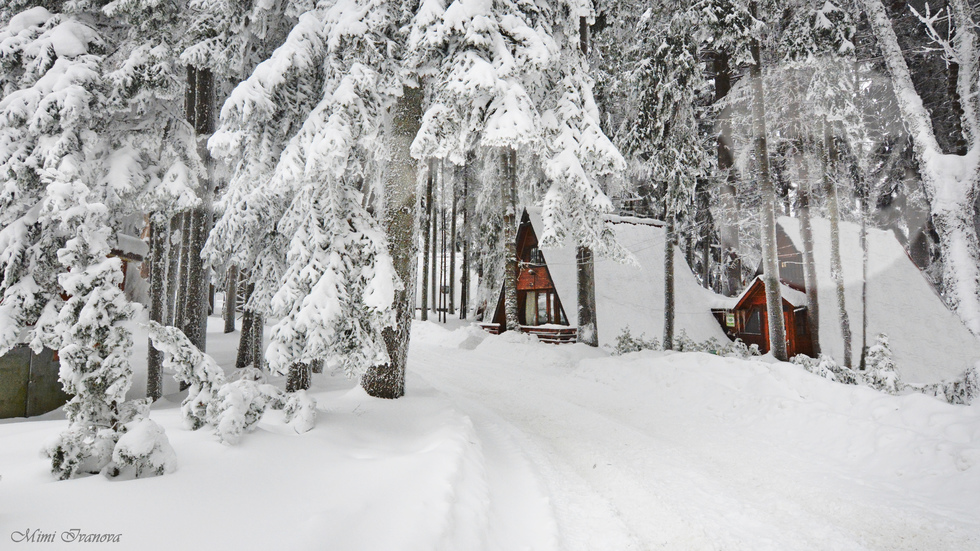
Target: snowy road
x,y
638,454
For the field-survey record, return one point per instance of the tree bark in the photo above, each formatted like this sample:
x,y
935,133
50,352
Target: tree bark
x,y
158,292
300,377
244,357
588,330
770,260
199,104
434,241
399,220
508,166
452,246
669,245
833,211
426,235
231,299
173,267
464,294
809,267
728,225
257,335
180,296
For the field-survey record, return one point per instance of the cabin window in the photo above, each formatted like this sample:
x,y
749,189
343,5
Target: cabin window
x,y
800,322
541,307
753,325
535,257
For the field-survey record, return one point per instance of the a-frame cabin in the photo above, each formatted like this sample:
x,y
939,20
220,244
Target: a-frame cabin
x,y
749,320
539,308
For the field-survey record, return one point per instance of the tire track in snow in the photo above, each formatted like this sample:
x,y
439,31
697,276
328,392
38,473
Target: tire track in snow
x,y
659,490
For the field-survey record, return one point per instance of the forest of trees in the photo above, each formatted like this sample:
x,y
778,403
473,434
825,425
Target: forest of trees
x,y
305,156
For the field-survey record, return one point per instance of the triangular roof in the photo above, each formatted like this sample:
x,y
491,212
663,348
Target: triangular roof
x,y
633,296
791,296
928,340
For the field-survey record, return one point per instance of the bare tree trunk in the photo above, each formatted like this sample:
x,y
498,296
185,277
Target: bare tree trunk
x,y
258,345
728,224
809,268
452,246
464,295
173,267
158,291
426,235
399,221
245,338
231,298
669,245
833,210
588,330
770,261
180,296
435,237
508,167
199,104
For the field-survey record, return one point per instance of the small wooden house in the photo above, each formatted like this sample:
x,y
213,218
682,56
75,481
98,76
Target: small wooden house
x,y
749,320
29,382
539,308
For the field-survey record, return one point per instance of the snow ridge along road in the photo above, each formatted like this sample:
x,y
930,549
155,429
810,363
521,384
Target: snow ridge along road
x,y
692,451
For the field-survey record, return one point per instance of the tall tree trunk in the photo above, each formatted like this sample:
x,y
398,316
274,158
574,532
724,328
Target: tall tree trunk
x,y
464,295
173,267
809,267
508,167
669,245
833,210
399,221
426,235
257,334
231,298
158,291
588,329
728,224
435,237
950,182
199,104
180,296
770,260
452,246
864,273
245,338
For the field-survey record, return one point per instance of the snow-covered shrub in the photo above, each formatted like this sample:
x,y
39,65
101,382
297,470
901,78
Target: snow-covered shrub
x,y
737,349
626,343
880,365
143,450
300,411
237,406
190,366
826,367
962,390
684,343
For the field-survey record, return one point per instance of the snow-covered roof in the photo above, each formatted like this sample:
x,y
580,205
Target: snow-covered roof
x,y
790,295
928,340
634,295
129,245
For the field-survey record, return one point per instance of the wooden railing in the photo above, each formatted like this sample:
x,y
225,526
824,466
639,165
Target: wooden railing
x,y
549,334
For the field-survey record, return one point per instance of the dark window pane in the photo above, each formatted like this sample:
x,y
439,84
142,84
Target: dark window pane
x,y
754,324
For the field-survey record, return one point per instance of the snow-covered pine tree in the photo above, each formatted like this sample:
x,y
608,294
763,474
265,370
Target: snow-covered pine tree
x,y
64,186
664,133
951,181
880,365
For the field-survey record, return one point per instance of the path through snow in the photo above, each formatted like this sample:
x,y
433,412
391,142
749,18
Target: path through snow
x,y
654,451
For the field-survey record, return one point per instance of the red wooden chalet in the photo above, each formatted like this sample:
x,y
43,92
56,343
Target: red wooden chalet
x,y
749,320
539,309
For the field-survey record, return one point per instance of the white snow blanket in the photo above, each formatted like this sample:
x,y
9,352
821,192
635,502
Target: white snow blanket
x,y
929,342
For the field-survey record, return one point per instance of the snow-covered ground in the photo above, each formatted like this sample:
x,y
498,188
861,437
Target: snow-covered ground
x,y
503,443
